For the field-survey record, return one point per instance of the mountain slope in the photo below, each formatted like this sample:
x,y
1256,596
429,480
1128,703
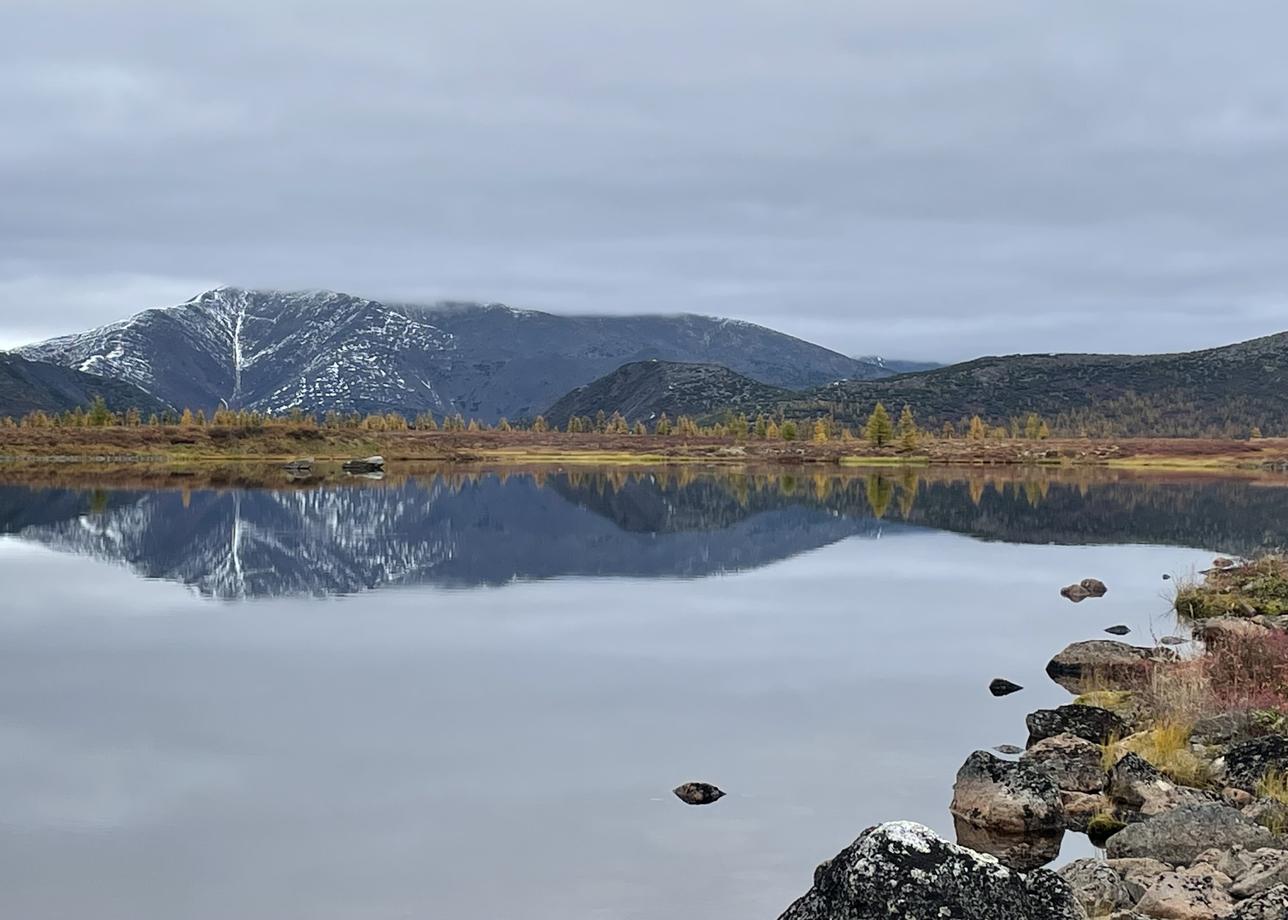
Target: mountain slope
x,y
1218,391
319,350
29,385
646,389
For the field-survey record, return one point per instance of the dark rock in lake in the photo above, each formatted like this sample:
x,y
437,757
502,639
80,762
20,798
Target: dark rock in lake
x,y
1166,577
1075,593
1009,749
1118,630
1090,723
1178,836
1247,763
1101,663
1000,686
365,465
1007,796
698,793
299,465
905,870
1269,905
1094,587
1072,763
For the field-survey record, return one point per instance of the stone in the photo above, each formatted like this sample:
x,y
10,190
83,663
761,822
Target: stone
x,y
1138,874
1081,807
1000,686
1268,812
1215,632
1269,905
1022,852
1103,663
1194,893
905,870
1180,835
1009,749
1224,727
1245,764
1073,763
1237,797
1137,784
1172,640
698,793
1098,888
1075,593
1233,862
1119,630
1223,562
1267,869
1008,796
1090,723
1094,587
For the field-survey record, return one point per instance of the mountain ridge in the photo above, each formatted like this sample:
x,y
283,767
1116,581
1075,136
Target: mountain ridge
x,y
27,386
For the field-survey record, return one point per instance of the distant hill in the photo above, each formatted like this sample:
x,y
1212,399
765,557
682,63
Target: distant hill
x,y
319,350
644,390
1218,391
896,366
29,385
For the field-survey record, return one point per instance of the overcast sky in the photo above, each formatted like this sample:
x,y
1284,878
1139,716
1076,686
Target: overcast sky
x,y
917,179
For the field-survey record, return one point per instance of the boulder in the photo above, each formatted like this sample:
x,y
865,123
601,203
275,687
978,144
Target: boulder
x,y
1099,889
1195,893
1081,807
1008,796
1224,727
1000,686
1247,763
1269,905
1102,663
1073,763
1233,862
1137,784
1091,723
1022,852
698,793
1215,632
905,870
1094,587
1267,812
1236,797
1180,835
1138,874
1266,869
372,464
1075,593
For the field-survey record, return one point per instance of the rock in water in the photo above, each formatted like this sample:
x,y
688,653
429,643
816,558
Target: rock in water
x,y
697,793
1090,723
1075,593
1172,640
1009,749
1103,664
1094,587
905,870
1180,835
1008,796
1118,630
1000,686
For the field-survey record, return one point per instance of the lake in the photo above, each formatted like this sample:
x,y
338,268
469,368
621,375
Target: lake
x,y
469,695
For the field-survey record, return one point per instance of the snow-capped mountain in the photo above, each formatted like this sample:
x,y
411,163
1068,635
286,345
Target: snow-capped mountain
x,y
320,350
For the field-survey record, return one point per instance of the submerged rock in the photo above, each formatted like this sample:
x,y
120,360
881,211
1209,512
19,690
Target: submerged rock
x,y
1180,835
1000,686
905,870
1008,796
697,793
1090,723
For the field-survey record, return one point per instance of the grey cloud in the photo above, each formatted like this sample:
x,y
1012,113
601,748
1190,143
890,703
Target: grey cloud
x,y
925,179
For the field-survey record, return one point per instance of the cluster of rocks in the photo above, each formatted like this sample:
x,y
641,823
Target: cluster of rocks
x,y
1088,587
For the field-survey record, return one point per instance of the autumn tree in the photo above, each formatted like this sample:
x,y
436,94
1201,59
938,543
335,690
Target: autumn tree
x,y
663,425
539,424
907,429
788,430
977,431
819,434
879,429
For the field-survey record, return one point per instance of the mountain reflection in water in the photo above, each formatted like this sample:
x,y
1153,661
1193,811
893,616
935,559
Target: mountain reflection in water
x,y
458,529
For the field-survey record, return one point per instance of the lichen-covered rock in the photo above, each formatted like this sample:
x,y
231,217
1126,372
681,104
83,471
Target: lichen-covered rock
x,y
1103,663
1224,727
1247,763
1266,869
1136,784
905,870
1010,796
698,793
1138,873
1195,893
1090,723
1180,835
1269,905
1270,813
1073,763
1080,808
1098,888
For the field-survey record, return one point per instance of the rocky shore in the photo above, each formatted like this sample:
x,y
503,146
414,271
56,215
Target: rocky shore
x,y
1175,762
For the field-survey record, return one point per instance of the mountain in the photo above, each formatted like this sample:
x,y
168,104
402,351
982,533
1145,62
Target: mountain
x,y
646,389
29,385
319,350
895,366
1219,391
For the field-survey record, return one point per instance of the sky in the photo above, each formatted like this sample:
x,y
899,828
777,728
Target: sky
x,y
916,179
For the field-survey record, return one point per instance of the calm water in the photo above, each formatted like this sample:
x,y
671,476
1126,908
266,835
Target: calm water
x,y
470,696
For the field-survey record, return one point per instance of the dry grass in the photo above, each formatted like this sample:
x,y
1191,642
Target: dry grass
x,y
1244,590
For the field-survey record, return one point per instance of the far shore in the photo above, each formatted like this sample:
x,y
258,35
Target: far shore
x,y
169,446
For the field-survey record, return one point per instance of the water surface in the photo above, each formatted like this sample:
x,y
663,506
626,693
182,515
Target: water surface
x,y
469,696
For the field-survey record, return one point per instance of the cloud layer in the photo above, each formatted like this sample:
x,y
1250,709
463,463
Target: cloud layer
x,y
930,179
